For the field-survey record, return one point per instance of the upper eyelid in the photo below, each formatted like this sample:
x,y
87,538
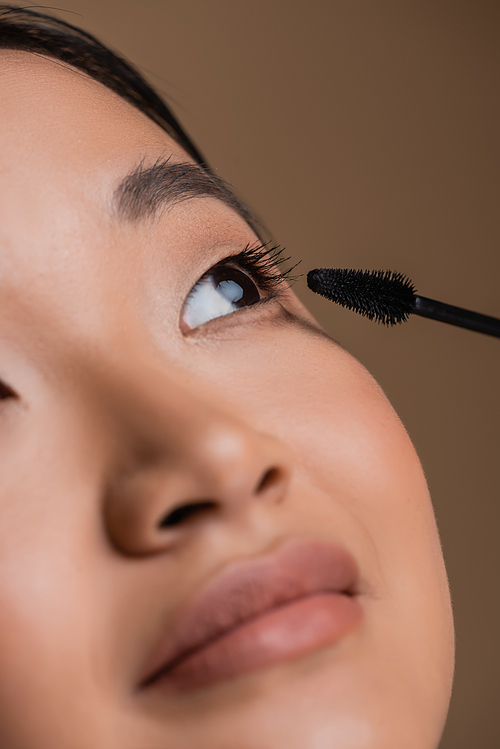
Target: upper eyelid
x,y
262,263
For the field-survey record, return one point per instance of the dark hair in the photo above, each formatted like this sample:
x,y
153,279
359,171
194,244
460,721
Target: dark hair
x,y
31,31
41,34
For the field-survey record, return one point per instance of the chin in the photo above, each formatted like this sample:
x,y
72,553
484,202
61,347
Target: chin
x,y
336,698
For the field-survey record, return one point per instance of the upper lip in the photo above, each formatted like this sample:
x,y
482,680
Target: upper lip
x,y
249,588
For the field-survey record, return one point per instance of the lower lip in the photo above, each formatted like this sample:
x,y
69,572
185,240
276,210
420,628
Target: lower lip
x,y
280,635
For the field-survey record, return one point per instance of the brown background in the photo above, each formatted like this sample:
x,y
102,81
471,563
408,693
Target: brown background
x,y
365,133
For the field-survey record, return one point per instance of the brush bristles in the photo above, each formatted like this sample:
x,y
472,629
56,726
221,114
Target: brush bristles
x,y
385,296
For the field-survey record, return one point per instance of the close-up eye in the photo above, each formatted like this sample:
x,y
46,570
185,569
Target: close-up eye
x,y
239,281
222,290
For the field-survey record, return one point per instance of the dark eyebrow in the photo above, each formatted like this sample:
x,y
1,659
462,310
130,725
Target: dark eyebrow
x,y
146,190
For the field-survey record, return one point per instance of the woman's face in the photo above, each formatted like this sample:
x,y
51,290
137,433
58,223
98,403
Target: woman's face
x,y
215,533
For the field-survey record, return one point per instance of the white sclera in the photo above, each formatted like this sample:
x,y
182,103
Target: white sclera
x,y
209,300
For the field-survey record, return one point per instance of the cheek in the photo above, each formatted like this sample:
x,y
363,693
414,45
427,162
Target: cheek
x,y
360,455
354,462
48,592
344,436
351,444
45,674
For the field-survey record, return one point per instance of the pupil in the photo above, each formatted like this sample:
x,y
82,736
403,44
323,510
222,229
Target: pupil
x,y
231,290
235,286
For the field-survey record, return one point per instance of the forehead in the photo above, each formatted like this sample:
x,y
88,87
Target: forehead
x,y
65,114
67,142
65,139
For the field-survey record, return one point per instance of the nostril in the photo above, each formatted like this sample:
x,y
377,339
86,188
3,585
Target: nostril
x,y
5,391
186,512
269,479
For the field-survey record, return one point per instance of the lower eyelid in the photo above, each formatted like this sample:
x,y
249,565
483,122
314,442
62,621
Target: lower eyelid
x,y
262,311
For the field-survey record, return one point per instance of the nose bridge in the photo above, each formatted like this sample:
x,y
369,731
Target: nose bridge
x,y
177,417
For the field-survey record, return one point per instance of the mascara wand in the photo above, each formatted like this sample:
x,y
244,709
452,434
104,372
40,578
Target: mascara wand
x,y
390,298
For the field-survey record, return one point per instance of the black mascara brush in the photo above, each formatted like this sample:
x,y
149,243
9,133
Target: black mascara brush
x,y
390,298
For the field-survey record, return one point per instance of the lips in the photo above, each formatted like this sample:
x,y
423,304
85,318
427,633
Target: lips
x,y
258,613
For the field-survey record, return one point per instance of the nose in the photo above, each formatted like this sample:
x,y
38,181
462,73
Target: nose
x,y
185,460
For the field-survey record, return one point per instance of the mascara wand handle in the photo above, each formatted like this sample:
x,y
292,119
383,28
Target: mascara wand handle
x,y
463,318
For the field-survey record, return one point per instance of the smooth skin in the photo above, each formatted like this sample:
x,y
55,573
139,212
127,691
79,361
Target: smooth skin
x,y
118,415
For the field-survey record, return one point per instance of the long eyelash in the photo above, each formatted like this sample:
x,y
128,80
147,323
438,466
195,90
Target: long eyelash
x,y
263,264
